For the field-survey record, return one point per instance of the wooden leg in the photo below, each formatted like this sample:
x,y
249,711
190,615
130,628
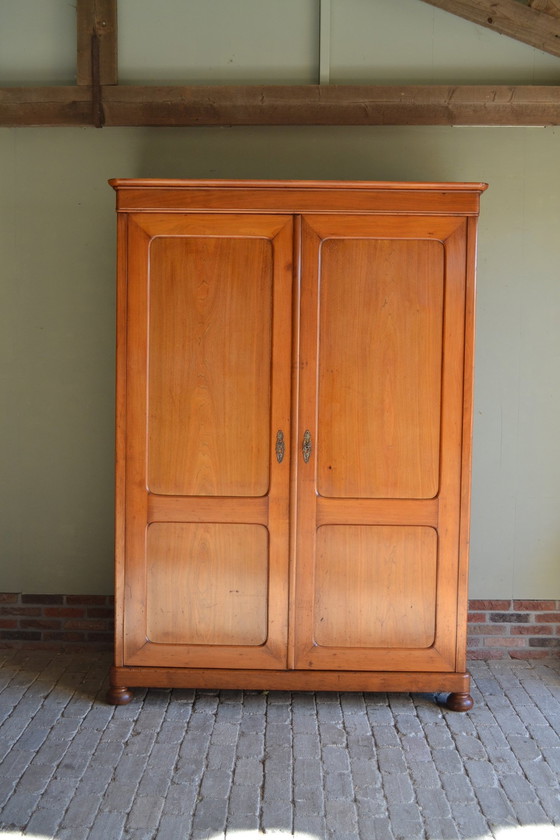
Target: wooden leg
x,y
119,695
459,702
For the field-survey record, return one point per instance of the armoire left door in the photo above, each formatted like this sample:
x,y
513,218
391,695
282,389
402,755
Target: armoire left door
x,y
206,299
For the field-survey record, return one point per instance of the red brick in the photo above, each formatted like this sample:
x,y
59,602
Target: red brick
x,y
100,612
489,605
103,638
39,623
476,641
65,612
488,629
488,654
20,610
63,636
85,624
531,630
21,635
509,617
506,642
41,599
476,617
8,623
529,653
531,606
9,597
96,600
549,642
548,618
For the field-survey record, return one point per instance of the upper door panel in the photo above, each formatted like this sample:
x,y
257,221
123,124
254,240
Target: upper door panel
x,y
209,391
380,363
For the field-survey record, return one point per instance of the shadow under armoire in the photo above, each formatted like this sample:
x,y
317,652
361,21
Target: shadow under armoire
x,y
294,401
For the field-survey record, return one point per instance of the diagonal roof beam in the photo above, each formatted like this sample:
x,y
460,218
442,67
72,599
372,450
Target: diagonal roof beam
x,y
508,17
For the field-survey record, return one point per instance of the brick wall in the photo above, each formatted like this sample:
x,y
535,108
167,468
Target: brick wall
x,y
498,629
520,629
54,620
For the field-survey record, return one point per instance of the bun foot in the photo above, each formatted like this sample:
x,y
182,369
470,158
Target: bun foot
x,y
119,695
459,702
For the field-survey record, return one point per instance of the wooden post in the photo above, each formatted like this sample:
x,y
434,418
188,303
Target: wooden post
x,y
97,19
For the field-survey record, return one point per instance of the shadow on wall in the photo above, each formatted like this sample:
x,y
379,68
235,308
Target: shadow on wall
x,y
293,152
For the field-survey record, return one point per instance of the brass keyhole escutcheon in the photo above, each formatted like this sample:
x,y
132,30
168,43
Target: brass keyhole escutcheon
x,y
280,446
306,445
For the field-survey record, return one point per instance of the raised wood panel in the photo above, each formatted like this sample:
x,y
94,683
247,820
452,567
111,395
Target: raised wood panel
x,y
209,366
380,361
375,586
207,584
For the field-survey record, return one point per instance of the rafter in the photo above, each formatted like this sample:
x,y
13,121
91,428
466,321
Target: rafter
x,y
508,17
551,7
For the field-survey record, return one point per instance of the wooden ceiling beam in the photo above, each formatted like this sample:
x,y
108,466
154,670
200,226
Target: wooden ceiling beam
x,y
224,105
50,106
508,17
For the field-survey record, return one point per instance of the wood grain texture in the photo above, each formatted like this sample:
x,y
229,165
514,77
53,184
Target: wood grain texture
x,y
375,586
97,19
438,245
231,566
207,584
237,187
250,340
162,196
120,434
551,7
466,464
508,17
334,105
380,363
62,105
377,511
276,680
203,509
131,105
209,359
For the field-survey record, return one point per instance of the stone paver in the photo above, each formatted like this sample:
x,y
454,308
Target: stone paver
x,y
233,765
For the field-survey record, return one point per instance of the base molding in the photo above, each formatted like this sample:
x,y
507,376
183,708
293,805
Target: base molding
x,y
277,680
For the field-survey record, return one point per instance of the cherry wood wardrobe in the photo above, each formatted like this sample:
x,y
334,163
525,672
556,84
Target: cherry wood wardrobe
x,y
294,401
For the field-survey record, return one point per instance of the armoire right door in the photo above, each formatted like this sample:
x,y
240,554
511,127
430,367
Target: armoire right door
x,y
380,420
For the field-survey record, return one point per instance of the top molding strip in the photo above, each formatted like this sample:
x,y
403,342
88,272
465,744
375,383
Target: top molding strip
x,y
227,183
176,196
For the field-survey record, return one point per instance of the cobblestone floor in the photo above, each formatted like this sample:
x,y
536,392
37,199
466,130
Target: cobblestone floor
x,y
186,765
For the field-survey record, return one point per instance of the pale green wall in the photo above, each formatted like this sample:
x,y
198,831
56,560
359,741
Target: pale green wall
x,y
57,300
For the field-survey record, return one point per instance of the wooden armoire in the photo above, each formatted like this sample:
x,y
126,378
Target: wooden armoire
x,y
294,400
